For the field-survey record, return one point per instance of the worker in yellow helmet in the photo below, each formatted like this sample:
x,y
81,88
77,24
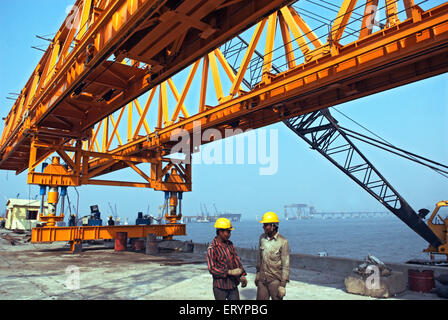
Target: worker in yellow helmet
x,y
272,261
224,264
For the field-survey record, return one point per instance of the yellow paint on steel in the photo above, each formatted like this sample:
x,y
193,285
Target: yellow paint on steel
x,y
248,55
286,36
392,13
298,35
53,197
143,113
342,19
269,47
180,100
368,19
308,32
215,74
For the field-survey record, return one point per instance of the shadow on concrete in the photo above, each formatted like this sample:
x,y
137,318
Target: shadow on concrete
x,y
67,249
112,289
306,276
248,293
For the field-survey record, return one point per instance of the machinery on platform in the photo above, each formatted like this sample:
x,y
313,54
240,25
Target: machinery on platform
x,y
438,223
49,170
55,177
142,220
95,216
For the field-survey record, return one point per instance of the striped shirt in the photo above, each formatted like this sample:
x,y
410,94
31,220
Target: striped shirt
x,y
222,257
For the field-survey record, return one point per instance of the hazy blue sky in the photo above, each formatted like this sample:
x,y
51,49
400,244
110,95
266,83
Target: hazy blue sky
x,y
413,117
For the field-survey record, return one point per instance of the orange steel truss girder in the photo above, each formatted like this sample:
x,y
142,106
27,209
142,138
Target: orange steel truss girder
x,y
81,171
54,234
141,30
405,53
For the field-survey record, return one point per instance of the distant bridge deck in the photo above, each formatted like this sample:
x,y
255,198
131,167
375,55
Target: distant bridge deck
x,y
234,217
343,215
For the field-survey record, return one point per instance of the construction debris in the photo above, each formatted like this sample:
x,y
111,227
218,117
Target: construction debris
x,y
370,266
374,279
442,289
10,239
16,240
175,245
442,292
443,279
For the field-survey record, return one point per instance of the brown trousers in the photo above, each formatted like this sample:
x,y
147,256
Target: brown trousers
x,y
268,290
224,294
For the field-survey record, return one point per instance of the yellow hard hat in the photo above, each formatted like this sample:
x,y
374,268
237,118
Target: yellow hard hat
x,y
270,217
223,223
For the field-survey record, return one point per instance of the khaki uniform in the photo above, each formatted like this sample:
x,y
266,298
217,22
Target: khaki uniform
x,y
272,266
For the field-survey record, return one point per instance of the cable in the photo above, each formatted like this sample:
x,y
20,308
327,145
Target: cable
x,y
342,26
309,16
362,126
69,204
411,156
440,171
401,150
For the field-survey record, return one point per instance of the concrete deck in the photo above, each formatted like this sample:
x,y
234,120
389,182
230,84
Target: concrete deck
x,y
38,272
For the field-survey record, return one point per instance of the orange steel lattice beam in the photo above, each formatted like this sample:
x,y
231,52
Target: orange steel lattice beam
x,y
410,51
331,73
73,89
52,234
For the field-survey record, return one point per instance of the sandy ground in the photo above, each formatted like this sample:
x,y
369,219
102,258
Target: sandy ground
x,y
43,272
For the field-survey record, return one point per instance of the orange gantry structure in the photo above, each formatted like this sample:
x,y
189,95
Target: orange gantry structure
x,y
110,59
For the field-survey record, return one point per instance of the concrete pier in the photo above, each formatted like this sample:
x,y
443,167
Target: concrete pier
x,y
327,264
50,271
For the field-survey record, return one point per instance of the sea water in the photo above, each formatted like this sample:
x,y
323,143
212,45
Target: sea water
x,y
387,238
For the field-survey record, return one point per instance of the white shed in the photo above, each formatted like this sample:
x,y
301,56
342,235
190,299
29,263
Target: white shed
x,y
23,214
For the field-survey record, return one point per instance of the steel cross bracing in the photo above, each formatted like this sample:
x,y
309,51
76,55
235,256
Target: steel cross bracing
x,y
114,101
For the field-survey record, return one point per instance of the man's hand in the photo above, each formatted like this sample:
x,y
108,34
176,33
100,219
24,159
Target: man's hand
x,y
235,272
257,279
281,292
243,282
